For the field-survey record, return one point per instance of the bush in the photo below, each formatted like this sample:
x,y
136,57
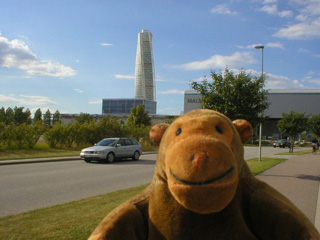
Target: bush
x,y
21,135
79,134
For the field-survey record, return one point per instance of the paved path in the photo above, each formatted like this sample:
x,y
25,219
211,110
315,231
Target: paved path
x,y
298,179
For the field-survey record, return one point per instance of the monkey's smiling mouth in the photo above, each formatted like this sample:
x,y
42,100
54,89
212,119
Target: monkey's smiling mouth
x,y
212,180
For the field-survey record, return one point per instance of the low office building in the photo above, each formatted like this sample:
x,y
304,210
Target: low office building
x,y
124,105
280,101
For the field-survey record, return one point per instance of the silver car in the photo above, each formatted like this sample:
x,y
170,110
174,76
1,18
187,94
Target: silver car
x,y
109,149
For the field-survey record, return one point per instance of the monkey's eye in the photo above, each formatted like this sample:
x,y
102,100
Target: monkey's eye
x,y
219,130
178,131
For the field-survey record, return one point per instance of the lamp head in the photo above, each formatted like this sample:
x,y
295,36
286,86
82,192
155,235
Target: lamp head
x,y
259,47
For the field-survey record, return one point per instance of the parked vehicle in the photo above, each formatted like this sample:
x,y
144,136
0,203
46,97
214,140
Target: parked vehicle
x,y
282,143
109,149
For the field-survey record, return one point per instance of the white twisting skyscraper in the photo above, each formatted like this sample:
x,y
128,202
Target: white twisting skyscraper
x,y
144,72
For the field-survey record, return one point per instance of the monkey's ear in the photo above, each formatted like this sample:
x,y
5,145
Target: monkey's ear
x,y
244,128
157,131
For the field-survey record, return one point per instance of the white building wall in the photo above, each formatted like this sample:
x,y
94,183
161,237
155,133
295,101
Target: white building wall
x,y
284,101
281,101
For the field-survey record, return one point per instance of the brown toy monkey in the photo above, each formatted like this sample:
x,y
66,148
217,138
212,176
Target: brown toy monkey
x,y
203,189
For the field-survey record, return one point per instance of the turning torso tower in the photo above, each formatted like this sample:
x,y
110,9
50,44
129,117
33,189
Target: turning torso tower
x,y
144,72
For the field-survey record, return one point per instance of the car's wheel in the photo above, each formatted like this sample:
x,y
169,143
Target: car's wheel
x,y
136,156
110,158
87,160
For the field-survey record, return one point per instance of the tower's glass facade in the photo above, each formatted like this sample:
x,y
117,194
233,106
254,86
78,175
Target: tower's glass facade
x,y
124,105
144,72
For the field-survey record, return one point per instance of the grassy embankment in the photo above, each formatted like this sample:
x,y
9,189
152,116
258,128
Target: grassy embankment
x,y
76,220
42,150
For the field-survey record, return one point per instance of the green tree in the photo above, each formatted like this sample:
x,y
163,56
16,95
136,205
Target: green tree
x,y
28,116
9,116
238,96
110,127
34,134
314,124
56,118
138,117
19,133
21,116
171,120
90,133
84,117
2,139
140,133
47,118
2,115
7,136
70,133
37,116
293,124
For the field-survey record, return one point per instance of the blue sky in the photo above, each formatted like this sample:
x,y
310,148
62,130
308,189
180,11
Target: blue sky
x,y
69,55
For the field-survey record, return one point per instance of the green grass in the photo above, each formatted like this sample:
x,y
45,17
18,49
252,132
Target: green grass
x,y
296,153
36,153
77,220
257,167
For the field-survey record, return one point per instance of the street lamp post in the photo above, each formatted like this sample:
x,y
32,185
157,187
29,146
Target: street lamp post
x,y
260,128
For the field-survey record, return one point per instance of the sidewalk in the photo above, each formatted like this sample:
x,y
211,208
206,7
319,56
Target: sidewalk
x,y
298,179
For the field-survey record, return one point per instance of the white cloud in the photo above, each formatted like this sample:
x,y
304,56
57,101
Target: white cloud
x,y
307,25
311,80
238,59
120,76
250,46
16,54
301,31
275,81
25,100
222,9
78,90
273,10
106,44
166,109
159,78
282,82
269,1
309,10
98,101
174,91
304,50
275,45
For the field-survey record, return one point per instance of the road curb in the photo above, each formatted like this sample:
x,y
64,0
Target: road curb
x,y
36,160
42,160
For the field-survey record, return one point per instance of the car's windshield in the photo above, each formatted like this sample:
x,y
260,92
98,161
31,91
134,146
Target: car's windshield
x,y
107,142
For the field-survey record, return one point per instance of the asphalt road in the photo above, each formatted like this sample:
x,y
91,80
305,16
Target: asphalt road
x,y
26,187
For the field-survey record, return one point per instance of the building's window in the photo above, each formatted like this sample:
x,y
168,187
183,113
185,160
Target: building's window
x,y
114,106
